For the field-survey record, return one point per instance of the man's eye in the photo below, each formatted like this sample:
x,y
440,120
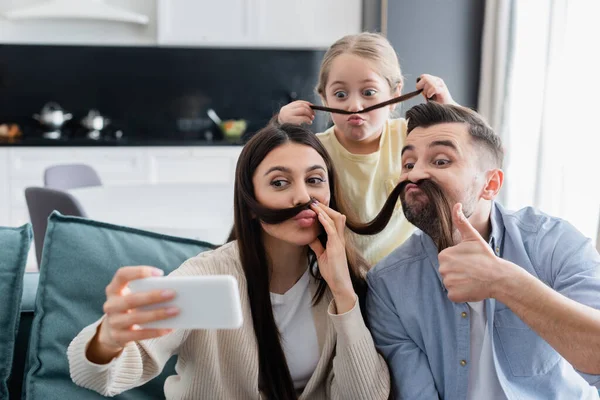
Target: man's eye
x,y
409,165
441,163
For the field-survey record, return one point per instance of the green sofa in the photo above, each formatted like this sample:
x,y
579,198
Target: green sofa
x,y
79,258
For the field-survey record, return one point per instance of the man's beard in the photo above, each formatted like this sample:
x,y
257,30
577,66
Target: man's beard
x,y
431,212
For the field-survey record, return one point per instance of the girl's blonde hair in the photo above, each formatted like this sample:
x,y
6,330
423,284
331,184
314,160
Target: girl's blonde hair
x,y
371,46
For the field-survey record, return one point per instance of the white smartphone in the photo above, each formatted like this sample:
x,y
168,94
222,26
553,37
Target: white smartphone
x,y
204,302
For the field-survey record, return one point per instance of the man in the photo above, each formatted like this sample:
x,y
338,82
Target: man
x,y
511,309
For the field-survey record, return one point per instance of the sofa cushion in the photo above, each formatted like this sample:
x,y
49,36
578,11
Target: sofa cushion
x,y
14,245
80,257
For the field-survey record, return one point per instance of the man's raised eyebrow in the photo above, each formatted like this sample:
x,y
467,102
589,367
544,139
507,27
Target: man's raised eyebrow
x,y
446,143
406,148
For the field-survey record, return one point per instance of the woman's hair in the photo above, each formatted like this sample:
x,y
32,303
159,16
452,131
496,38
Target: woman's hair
x,y
275,378
370,46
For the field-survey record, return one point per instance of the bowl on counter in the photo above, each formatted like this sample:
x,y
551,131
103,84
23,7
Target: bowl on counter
x,y
233,129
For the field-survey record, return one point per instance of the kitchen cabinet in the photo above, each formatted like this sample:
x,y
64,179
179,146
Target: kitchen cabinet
x,y
195,23
307,23
85,22
204,22
22,167
197,165
257,23
25,169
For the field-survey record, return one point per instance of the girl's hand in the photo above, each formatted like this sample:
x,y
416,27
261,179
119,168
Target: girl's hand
x,y
123,315
331,259
297,112
435,89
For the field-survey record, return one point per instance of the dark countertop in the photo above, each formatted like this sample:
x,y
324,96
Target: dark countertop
x,y
124,142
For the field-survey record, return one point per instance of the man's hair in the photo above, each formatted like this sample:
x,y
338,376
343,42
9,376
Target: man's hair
x,y
432,113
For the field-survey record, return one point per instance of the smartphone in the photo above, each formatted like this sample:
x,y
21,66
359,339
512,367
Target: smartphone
x,y
204,302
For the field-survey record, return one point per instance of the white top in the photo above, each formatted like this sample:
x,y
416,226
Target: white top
x,y
483,379
293,316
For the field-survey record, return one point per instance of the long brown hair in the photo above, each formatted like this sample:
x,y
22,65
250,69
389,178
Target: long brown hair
x,y
275,379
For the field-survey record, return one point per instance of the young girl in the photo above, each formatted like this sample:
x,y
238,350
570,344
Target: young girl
x,y
359,71
303,334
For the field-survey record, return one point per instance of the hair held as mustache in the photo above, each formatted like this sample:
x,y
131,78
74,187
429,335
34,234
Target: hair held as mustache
x,y
442,211
430,188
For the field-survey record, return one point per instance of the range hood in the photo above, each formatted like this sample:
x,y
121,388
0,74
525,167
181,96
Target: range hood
x,y
76,9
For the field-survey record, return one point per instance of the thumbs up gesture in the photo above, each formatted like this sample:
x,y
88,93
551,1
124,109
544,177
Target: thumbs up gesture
x,y
470,268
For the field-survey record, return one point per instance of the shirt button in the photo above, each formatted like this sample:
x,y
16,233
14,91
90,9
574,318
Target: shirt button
x,y
497,251
463,314
463,362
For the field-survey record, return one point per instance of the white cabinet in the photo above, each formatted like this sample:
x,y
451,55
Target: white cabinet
x,y
257,23
116,165
77,27
204,22
199,23
26,168
198,165
22,167
311,23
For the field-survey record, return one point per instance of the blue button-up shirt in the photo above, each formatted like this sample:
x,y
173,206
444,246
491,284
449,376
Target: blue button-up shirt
x,y
425,337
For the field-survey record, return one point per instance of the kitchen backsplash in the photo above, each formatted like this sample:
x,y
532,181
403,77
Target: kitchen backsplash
x,y
150,92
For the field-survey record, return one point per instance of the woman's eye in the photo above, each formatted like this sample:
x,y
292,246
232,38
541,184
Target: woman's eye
x,y
340,94
370,92
441,162
315,180
279,183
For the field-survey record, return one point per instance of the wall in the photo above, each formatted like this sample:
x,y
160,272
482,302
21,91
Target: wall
x,y
148,91
439,37
371,15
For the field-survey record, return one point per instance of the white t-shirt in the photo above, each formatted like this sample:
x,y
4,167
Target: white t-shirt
x,y
483,379
293,316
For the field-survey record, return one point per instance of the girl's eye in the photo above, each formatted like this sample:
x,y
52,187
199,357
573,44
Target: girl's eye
x,y
340,94
315,180
441,162
409,165
370,92
279,183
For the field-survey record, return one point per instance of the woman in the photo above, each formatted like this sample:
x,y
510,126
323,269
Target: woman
x,y
303,334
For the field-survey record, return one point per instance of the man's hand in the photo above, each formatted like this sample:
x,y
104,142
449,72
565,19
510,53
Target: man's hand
x,y
470,269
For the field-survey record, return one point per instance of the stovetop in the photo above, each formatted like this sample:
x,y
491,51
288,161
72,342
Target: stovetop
x,y
31,129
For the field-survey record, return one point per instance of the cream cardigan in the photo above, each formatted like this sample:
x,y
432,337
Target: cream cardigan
x,y
223,364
